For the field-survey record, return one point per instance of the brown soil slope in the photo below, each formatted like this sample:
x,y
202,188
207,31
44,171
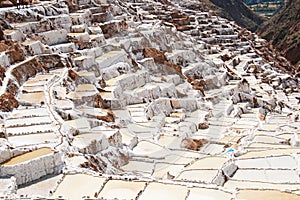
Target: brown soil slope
x,y
283,31
239,12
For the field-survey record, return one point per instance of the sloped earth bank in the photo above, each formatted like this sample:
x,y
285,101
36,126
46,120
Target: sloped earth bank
x,y
143,100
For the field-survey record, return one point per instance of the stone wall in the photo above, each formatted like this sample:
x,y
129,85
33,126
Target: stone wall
x,y
34,169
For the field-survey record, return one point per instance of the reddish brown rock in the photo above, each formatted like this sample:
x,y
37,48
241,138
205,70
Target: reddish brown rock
x,y
200,82
192,144
14,50
3,47
203,126
235,62
6,3
102,83
100,17
182,21
166,2
200,88
12,88
99,102
184,28
52,61
73,75
26,70
2,135
262,117
2,74
225,57
197,84
255,103
73,7
179,20
113,28
134,64
16,53
109,117
158,56
8,102
246,35
1,34
252,68
176,68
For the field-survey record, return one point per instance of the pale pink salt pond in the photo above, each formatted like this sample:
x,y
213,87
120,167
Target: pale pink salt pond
x,y
78,185
164,191
121,189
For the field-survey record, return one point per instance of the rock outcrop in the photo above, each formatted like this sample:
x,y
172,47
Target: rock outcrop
x,y
34,169
8,102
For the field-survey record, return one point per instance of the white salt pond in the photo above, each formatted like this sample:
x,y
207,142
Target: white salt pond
x,y
198,175
208,194
79,185
263,153
27,121
208,163
34,97
266,195
43,128
267,176
28,112
139,167
149,149
33,139
121,189
278,162
159,191
232,184
43,187
162,170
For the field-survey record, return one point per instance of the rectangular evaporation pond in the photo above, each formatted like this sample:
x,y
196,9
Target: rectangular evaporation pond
x,y
28,156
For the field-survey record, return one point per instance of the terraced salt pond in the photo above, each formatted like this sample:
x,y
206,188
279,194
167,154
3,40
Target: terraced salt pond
x,y
89,186
27,121
164,191
121,189
266,195
268,152
34,139
28,156
44,187
33,97
157,108
25,112
208,194
41,128
232,184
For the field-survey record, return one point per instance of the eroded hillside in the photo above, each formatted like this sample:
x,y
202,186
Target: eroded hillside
x,y
237,11
283,31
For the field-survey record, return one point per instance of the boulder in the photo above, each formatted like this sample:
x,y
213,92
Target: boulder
x,y
192,144
8,102
157,55
203,125
109,117
113,28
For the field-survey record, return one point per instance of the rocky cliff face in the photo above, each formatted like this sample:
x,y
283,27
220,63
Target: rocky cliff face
x,y
237,11
283,31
